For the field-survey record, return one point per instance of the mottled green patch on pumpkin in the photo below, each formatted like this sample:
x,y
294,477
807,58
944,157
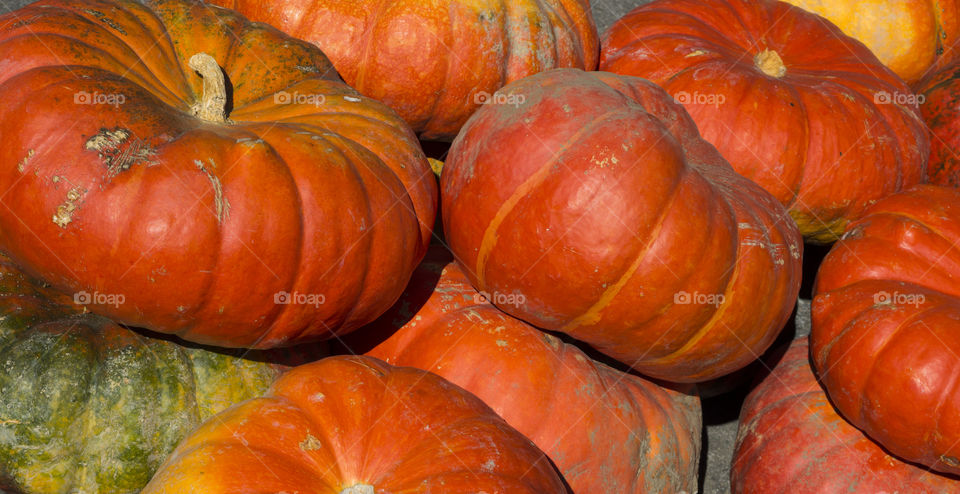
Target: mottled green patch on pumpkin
x,y
87,406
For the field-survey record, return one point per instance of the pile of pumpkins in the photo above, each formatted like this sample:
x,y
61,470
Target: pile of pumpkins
x,y
229,266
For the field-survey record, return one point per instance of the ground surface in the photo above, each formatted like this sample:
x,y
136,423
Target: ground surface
x,y
720,412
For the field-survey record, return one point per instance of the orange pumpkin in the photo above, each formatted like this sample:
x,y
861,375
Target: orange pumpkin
x,y
885,338
188,171
357,425
606,431
598,202
791,440
792,103
436,61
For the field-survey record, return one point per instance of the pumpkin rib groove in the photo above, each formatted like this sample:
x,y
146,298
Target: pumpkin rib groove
x,y
146,79
804,140
536,178
704,329
325,131
716,39
862,408
594,312
144,83
296,405
158,87
447,74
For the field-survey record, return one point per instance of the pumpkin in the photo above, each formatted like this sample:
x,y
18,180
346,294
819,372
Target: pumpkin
x,y
436,61
88,406
606,431
885,337
908,36
939,106
594,208
789,100
355,425
791,440
227,188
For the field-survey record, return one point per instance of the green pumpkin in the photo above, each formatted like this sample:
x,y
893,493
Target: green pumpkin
x,y
87,406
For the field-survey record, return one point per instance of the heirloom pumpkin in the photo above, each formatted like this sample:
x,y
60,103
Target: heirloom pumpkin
x,y
355,425
618,225
940,106
792,440
606,431
436,61
213,172
886,325
908,36
789,100
88,406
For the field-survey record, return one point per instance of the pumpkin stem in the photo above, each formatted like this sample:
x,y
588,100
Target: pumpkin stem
x,y
359,489
770,63
213,103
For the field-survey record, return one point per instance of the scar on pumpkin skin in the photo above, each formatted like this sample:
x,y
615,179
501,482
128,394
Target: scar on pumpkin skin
x,y
25,160
310,443
219,200
64,214
118,152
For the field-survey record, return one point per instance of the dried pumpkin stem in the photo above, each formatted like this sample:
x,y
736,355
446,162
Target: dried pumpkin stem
x,y
770,63
213,101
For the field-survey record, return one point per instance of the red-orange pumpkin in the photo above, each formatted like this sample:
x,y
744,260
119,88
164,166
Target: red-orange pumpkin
x,y
355,425
886,325
606,431
298,212
792,441
436,61
940,106
594,208
794,104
